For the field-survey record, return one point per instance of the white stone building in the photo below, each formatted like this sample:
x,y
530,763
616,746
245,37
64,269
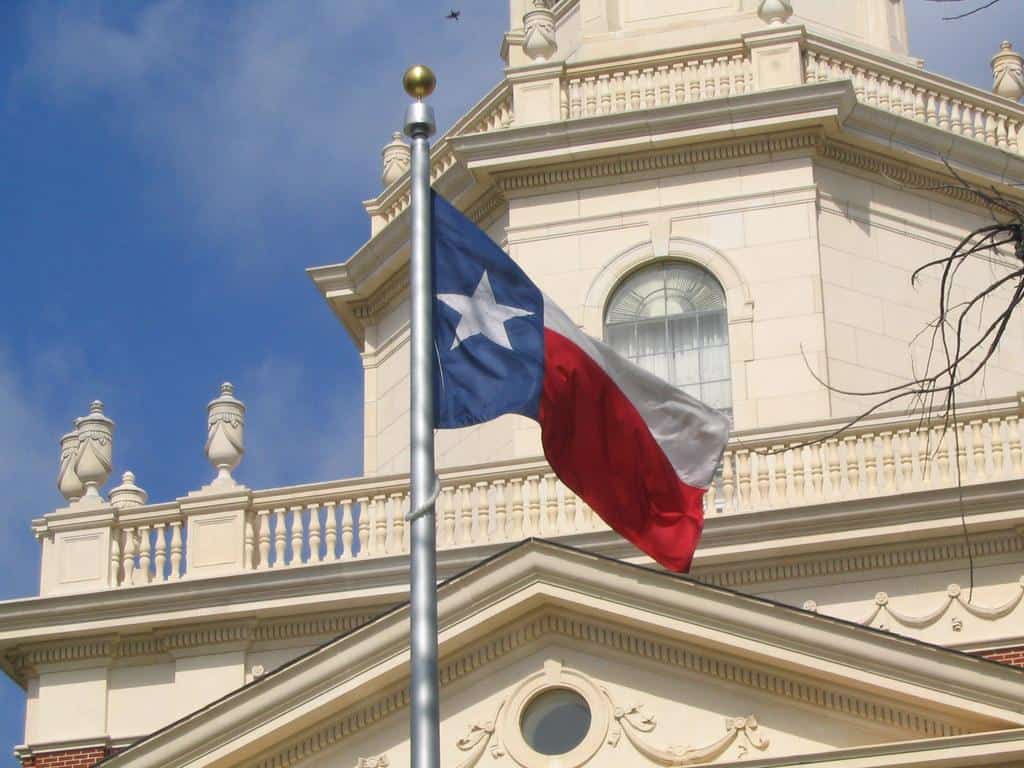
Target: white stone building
x,y
734,193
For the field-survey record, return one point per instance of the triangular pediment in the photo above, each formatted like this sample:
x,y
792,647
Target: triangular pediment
x,y
672,672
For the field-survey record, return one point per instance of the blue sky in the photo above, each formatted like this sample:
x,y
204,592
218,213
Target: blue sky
x,y
167,171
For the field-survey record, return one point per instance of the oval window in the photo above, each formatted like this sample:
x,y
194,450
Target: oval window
x,y
555,722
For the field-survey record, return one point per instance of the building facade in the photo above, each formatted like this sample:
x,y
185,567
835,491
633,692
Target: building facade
x,y
734,194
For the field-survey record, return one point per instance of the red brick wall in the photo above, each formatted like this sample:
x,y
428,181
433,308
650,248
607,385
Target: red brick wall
x,y
1012,656
72,758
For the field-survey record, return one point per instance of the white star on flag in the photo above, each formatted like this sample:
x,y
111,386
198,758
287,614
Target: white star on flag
x,y
481,313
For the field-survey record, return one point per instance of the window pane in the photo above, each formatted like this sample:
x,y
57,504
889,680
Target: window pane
x,y
713,331
714,363
717,394
656,364
687,367
651,338
622,338
684,332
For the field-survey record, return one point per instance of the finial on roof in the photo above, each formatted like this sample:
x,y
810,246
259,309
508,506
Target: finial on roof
x,y
539,41
1008,73
395,160
775,11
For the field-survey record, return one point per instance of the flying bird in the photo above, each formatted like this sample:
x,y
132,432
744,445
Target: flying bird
x,y
453,15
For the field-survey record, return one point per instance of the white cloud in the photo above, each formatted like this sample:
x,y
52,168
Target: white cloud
x,y
262,111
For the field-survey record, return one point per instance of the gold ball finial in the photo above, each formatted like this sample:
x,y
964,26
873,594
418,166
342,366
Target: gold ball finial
x,y
419,81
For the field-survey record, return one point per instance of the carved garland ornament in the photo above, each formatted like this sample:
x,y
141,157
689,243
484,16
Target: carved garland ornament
x,y
882,609
503,734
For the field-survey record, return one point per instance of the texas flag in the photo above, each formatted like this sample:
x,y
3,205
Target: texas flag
x,y
639,451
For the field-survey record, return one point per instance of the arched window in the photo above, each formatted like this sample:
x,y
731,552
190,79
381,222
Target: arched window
x,y
670,318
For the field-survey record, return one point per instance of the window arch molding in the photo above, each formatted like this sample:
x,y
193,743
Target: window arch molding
x,y
738,302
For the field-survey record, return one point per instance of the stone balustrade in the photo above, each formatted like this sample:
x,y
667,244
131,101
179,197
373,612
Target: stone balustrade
x,y
226,528
921,96
676,80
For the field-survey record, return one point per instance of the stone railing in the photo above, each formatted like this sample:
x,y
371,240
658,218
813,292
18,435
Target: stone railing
x,y
632,86
491,113
226,528
920,96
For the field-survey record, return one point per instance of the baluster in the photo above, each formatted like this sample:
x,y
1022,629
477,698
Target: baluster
x,y
331,532
563,104
280,534
797,458
262,541
932,108
910,94
852,466
888,464
606,95
362,528
693,79
810,66
870,465
870,89
517,509
446,534
160,552
315,534
145,554
575,108
906,465
664,89
977,451
248,544
634,89
722,65
1013,425
885,93
1001,135
1015,136
483,512
465,506
961,452
707,501
620,92
990,127
816,477
532,505
728,484
500,511
115,559
743,479
943,479
955,111
979,123
943,110
967,118
920,106
678,83
551,506
128,560
739,81
995,431
379,536
762,481
347,544
778,497
393,531
924,464
709,78
176,550
298,534
835,486
650,88
590,94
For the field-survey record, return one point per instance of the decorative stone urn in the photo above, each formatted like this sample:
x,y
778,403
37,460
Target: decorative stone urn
x,y
775,11
68,482
1008,73
95,451
539,42
225,442
396,158
128,494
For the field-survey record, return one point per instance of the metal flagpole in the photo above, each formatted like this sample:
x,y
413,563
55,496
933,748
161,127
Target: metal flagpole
x,y
425,739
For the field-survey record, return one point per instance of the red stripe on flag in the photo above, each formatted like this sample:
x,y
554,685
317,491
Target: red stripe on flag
x,y
600,447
